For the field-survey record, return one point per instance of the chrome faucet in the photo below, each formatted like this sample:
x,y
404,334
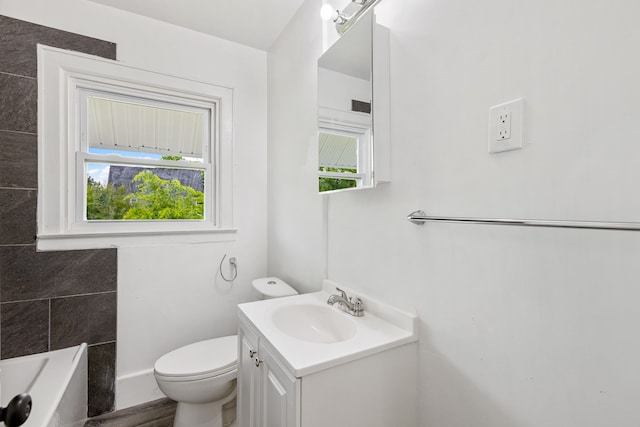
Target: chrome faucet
x,y
350,305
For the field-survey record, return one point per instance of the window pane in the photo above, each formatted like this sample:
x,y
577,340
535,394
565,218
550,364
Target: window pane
x,y
330,184
338,152
128,128
122,192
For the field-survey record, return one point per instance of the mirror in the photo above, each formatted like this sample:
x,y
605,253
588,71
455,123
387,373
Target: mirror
x,y
345,114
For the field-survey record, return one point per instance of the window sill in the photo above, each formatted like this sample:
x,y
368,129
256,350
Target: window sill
x,y
73,241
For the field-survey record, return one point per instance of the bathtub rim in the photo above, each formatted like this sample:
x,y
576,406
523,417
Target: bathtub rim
x,y
63,363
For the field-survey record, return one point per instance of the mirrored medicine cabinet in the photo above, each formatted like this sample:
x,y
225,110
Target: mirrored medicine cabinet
x,y
353,95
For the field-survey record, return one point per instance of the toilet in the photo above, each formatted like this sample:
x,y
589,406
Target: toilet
x,y
201,376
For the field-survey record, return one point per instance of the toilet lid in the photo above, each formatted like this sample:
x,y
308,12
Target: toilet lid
x,y
215,357
273,287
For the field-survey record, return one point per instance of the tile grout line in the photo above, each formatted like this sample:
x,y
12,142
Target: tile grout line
x,y
59,297
18,75
101,343
49,334
19,131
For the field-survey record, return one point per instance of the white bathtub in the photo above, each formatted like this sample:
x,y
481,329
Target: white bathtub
x,y
56,381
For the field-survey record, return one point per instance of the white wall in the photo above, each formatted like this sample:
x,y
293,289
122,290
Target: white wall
x,y
338,90
170,295
519,327
296,234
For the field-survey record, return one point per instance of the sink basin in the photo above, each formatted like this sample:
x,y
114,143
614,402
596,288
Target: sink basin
x,y
314,323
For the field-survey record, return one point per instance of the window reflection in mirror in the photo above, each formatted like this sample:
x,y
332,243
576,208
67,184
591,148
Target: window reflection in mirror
x,y
345,156
341,164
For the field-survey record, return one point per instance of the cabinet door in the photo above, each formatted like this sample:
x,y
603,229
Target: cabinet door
x,y
249,378
280,400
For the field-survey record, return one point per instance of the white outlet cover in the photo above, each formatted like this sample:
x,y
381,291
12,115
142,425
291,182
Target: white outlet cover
x,y
513,141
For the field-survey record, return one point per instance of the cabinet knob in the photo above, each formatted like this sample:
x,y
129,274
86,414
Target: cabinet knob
x,y
252,353
258,362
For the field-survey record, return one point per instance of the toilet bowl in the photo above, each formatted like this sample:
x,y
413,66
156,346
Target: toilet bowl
x,y
201,377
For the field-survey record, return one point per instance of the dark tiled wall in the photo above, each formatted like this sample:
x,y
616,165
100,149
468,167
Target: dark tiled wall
x,y
48,300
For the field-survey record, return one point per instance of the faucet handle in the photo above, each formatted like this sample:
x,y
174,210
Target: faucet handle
x,y
343,294
358,308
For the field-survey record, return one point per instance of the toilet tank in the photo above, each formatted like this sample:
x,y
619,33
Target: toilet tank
x,y
272,287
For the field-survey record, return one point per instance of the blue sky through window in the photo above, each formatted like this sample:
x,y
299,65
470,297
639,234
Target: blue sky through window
x,y
123,153
100,171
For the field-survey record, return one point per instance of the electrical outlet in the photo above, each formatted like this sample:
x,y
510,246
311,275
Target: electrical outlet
x,y
505,126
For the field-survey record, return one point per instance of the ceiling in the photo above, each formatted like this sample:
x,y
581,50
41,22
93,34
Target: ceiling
x,y
255,23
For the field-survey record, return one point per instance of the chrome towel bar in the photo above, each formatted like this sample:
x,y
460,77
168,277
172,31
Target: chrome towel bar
x,y
420,217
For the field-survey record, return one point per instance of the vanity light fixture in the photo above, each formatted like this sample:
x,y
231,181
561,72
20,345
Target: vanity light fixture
x,y
327,13
346,18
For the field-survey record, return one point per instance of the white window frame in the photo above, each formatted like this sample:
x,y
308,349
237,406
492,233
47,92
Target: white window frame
x,y
83,91
62,224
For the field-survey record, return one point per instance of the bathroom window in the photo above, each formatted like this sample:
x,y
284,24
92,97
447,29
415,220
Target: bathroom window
x,y
142,158
129,155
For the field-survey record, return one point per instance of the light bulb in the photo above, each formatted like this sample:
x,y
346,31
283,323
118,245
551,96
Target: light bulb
x,y
327,12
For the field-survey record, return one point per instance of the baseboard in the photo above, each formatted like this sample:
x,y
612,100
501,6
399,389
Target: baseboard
x,y
136,388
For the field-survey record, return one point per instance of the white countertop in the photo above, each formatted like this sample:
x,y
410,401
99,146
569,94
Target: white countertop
x,y
381,328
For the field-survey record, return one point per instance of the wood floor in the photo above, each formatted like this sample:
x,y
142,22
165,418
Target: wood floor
x,y
158,413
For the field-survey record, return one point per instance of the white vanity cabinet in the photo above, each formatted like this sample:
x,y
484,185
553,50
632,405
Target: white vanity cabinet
x,y
368,380
268,395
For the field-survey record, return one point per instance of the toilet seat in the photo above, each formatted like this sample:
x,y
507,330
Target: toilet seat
x,y
200,360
